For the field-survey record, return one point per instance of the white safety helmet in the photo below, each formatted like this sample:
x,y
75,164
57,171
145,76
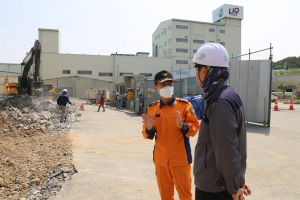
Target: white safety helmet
x,y
65,90
211,54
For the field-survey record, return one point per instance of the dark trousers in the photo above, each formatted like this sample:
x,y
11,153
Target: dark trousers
x,y
201,195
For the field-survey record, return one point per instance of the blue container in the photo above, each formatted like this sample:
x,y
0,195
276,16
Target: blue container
x,y
198,105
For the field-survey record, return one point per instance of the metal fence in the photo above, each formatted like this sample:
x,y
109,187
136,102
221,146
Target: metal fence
x,y
249,78
190,87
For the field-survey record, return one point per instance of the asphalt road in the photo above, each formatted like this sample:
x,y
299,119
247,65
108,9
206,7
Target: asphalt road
x,y
115,162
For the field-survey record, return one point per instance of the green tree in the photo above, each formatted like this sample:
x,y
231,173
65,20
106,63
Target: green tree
x,y
284,85
291,62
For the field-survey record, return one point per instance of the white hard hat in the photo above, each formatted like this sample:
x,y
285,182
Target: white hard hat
x,y
65,90
211,54
117,93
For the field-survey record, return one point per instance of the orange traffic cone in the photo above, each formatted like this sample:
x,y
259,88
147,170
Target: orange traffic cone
x,y
291,105
81,107
97,103
276,106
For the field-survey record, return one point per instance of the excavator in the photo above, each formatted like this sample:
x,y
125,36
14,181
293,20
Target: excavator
x,y
31,85
34,85
50,91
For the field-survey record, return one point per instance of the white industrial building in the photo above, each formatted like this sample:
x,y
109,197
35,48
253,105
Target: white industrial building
x,y
180,39
174,44
73,71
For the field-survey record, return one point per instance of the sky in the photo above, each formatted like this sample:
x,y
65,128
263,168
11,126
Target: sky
x,y
104,27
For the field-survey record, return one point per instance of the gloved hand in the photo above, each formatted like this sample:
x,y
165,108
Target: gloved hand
x,y
72,104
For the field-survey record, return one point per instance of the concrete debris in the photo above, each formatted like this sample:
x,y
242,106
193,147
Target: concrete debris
x,y
35,154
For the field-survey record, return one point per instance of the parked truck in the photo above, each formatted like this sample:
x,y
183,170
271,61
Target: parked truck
x,y
93,94
10,89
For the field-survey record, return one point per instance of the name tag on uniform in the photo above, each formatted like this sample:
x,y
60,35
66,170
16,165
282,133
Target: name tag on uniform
x,y
157,115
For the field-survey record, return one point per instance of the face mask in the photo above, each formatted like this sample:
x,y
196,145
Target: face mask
x,y
166,92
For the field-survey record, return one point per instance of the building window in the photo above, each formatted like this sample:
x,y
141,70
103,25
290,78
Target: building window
x,y
222,31
165,52
166,31
165,43
182,62
158,35
194,51
211,30
170,40
222,43
181,27
84,72
155,37
181,50
212,41
105,74
170,27
146,74
198,41
125,73
66,71
181,40
170,50
162,32
155,52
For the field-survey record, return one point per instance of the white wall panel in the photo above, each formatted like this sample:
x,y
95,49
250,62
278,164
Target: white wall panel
x,y
251,80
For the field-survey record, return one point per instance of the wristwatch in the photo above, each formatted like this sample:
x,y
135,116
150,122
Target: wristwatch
x,y
184,127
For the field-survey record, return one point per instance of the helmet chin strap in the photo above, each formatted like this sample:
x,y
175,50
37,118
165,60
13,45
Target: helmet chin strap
x,y
205,77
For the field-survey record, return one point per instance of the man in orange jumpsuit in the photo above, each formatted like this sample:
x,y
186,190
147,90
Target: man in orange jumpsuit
x,y
171,121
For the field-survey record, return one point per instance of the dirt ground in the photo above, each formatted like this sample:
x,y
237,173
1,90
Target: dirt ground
x,y
28,156
35,154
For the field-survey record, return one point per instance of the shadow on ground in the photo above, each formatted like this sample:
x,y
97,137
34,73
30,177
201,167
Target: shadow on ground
x,y
257,128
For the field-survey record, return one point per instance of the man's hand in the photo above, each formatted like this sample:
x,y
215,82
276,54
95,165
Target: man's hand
x,y
239,195
179,120
247,190
148,121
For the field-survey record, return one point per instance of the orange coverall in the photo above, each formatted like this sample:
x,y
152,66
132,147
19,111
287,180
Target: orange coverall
x,y
172,152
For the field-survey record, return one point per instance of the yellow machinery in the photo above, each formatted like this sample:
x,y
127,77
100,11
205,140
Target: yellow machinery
x,y
50,91
10,89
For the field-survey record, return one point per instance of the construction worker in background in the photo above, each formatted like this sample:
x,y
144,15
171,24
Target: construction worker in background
x,y
117,101
171,121
62,101
101,102
124,100
220,152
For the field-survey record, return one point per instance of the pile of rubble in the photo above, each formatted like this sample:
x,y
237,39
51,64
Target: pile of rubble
x,y
35,154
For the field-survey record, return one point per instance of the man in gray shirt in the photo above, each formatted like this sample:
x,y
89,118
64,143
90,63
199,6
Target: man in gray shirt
x,y
220,153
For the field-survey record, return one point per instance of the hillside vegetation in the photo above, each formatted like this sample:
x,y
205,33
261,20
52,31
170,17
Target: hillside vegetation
x,y
291,63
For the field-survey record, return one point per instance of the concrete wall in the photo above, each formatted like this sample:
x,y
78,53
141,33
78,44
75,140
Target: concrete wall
x,y
53,65
137,65
7,67
50,40
80,84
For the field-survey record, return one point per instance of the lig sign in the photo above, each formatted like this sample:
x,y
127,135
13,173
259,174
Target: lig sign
x,y
230,11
